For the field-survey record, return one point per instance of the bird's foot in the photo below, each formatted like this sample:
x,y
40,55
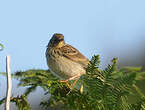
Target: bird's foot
x,y
75,78
66,82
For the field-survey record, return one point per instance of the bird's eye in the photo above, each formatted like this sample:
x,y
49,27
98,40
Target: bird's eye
x,y
56,41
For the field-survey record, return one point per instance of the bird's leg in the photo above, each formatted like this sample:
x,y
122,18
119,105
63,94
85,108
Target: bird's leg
x,y
66,82
75,78
74,83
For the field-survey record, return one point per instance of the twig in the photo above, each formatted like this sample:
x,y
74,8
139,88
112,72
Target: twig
x,y
1,47
9,83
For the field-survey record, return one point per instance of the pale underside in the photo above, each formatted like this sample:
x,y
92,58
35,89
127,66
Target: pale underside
x,y
68,63
64,68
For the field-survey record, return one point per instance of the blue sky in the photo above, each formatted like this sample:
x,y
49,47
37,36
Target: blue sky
x,y
111,28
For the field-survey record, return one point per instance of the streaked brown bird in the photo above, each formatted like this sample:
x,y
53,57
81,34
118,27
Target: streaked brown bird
x,y
65,61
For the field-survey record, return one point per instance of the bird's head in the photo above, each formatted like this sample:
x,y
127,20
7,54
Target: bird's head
x,y
57,40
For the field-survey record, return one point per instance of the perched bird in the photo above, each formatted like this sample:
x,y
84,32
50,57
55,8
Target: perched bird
x,y
65,61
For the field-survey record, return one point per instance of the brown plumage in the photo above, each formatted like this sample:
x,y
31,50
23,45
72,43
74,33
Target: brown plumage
x,y
65,61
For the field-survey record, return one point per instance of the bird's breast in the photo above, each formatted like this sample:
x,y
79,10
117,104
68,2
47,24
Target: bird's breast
x,y
63,67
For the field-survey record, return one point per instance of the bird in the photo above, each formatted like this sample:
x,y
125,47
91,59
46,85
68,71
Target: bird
x,y
64,60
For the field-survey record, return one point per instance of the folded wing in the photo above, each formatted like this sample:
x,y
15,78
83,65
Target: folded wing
x,y
73,54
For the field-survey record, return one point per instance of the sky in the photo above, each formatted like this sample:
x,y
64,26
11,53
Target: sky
x,y
92,26
110,28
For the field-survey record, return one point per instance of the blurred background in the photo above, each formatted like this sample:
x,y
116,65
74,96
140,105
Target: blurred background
x,y
110,28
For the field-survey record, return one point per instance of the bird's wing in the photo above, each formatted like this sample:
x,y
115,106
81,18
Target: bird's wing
x,y
73,54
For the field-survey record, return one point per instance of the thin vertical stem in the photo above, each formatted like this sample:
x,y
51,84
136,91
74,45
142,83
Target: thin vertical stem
x,y
9,83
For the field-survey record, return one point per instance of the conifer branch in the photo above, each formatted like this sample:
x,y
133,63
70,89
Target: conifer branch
x,y
107,89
